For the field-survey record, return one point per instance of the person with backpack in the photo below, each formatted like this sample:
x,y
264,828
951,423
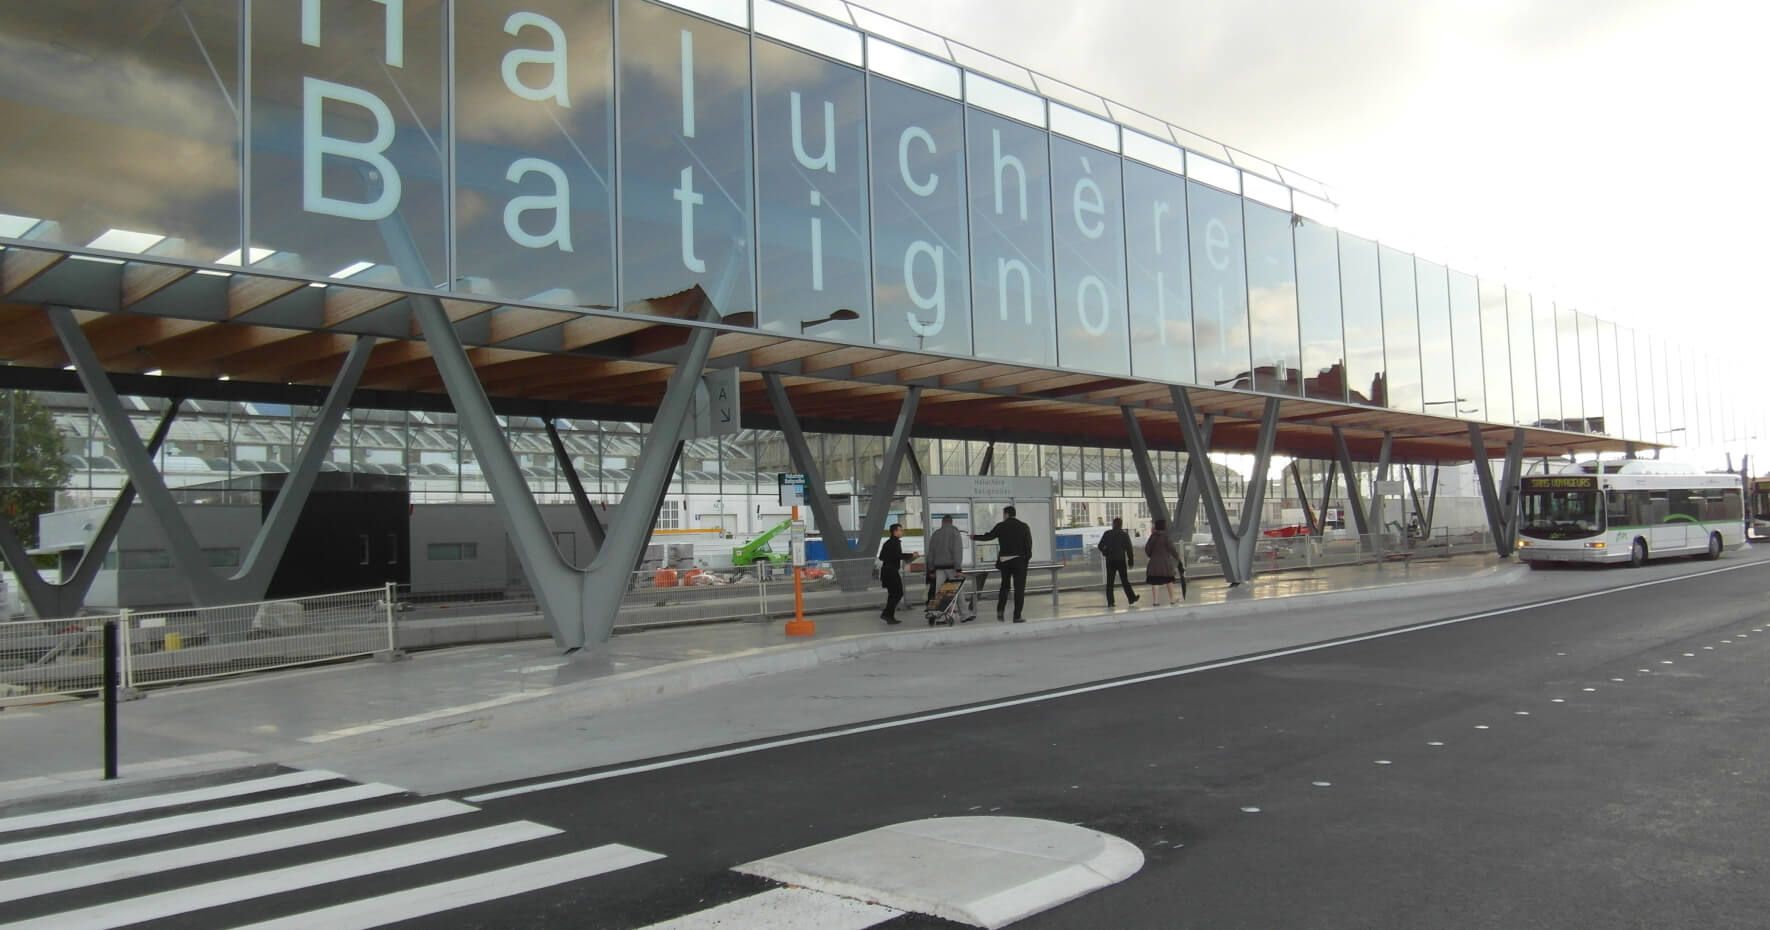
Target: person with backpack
x,y
1115,548
1164,566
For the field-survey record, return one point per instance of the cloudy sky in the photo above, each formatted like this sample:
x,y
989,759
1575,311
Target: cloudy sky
x,y
1606,152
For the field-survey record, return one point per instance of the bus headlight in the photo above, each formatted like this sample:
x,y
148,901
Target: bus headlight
x,y
1523,543
1595,545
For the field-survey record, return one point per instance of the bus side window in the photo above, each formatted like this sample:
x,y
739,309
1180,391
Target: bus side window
x,y
1658,507
1725,505
1687,504
1619,508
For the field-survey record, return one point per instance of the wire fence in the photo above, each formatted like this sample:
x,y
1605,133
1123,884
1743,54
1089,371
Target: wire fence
x,y
43,659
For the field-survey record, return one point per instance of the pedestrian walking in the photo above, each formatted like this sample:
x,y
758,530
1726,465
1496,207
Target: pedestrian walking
x,y
1163,568
946,552
892,559
1115,547
1014,551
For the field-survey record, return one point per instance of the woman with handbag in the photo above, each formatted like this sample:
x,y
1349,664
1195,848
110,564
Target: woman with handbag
x,y
1163,564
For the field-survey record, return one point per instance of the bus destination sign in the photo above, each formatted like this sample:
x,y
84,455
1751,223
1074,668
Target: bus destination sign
x,y
1562,483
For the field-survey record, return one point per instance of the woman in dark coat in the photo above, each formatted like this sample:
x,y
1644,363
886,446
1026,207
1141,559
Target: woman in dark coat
x,y
1164,566
892,559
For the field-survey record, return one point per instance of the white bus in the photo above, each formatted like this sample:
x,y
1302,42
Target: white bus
x,y
1629,511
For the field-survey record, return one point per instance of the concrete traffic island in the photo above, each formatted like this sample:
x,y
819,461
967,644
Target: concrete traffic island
x,y
978,871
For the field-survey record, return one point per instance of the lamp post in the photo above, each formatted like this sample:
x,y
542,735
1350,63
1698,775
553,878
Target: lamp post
x,y
841,315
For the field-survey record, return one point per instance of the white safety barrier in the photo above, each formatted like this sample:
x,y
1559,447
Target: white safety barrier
x,y
41,659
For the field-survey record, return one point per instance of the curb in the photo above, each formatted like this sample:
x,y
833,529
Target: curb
x,y
693,675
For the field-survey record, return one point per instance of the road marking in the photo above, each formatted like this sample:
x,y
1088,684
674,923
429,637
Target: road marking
x,y
99,873
438,714
105,836
276,881
474,889
785,909
156,801
1067,692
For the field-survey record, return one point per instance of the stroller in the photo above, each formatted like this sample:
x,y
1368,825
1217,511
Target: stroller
x,y
955,600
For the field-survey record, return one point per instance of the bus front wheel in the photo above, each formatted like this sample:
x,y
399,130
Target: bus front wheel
x,y
1638,555
1714,546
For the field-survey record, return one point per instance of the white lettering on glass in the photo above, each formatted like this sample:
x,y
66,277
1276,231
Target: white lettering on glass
x,y
826,161
1015,265
687,84
555,58
1217,252
917,134
1083,288
316,145
560,202
685,195
1157,211
1008,161
817,245
1087,199
935,301
395,54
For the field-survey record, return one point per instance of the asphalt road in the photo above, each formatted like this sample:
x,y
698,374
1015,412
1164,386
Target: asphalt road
x,y
1600,762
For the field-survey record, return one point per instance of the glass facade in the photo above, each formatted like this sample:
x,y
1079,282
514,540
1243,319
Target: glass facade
x,y
611,155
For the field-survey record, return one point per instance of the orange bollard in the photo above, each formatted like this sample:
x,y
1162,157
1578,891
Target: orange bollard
x,y
799,626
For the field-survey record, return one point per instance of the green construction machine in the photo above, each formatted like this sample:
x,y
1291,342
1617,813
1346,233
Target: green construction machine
x,y
758,550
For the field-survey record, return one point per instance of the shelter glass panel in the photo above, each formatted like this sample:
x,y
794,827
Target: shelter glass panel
x,y
1011,240
811,196
685,163
1567,344
1548,360
1401,329
1466,343
1219,287
1619,416
1160,279
1272,301
1496,353
319,192
1318,311
921,254
1525,400
534,150
1437,365
1648,387
1088,220
1591,365
96,105
1361,298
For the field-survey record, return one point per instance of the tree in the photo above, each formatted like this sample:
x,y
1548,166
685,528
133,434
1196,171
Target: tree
x,y
31,466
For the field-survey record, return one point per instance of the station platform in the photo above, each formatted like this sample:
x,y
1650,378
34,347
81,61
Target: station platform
x,y
455,718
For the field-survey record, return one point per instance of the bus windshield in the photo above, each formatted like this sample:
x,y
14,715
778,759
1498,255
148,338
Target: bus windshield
x,y
1561,514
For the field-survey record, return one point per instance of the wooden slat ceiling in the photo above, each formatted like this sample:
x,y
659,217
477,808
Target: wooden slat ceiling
x,y
254,328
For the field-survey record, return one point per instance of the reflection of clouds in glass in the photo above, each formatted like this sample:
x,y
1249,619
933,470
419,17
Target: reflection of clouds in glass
x,y
491,110
1273,308
642,21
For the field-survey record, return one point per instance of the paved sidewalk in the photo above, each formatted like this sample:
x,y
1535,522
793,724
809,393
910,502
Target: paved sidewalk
x,y
473,715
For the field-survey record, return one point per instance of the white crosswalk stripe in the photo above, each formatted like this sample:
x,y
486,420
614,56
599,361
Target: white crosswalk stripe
x,y
785,909
179,889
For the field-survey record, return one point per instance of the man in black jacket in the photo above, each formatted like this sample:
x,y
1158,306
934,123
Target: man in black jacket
x,y
892,559
1013,552
1115,547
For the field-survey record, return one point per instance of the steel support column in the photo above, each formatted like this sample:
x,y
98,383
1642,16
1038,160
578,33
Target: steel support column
x,y
872,526
989,458
1378,498
1146,476
1186,509
1354,497
260,562
1309,519
66,597
1235,545
1500,502
851,574
586,511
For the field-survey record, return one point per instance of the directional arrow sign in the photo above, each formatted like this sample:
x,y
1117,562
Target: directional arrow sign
x,y
716,409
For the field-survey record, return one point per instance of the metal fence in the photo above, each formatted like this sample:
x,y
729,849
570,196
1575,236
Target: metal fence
x,y
40,659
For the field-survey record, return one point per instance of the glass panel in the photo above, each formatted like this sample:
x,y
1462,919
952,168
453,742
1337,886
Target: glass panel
x,y
1219,287
1011,241
1437,367
1655,388
1272,301
1213,172
1619,418
344,135
1591,363
534,146
1361,300
1164,155
95,104
1401,329
1496,353
1548,361
1088,217
920,251
993,95
808,31
1466,342
920,70
1567,349
1160,282
1267,192
685,162
1084,127
811,190
1318,310
1525,400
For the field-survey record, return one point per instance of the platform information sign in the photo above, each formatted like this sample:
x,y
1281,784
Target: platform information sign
x,y
792,488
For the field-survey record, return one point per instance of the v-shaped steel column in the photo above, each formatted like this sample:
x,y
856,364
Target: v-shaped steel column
x,y
1310,519
1197,460
1354,497
586,512
1502,502
260,563
1146,476
66,597
1235,545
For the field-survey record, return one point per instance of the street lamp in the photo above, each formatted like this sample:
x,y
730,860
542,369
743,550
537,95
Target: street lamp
x,y
842,315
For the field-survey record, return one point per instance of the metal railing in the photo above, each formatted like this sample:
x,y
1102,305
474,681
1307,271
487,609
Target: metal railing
x,y
42,659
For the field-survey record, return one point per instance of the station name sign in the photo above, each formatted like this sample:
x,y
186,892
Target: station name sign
x,y
1582,483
